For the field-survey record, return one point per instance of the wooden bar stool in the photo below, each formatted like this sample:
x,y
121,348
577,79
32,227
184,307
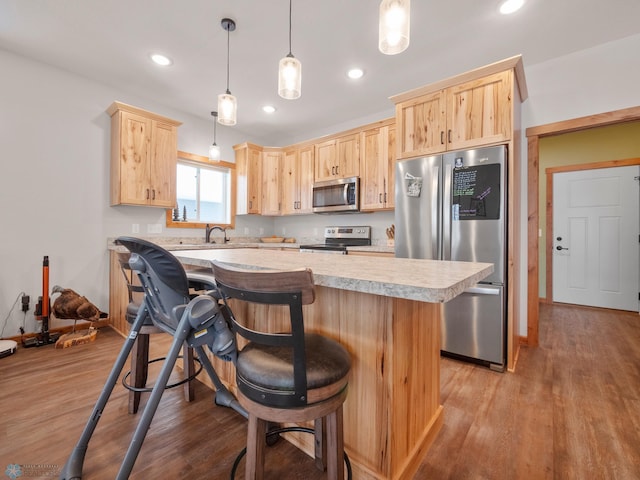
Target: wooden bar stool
x,y
286,377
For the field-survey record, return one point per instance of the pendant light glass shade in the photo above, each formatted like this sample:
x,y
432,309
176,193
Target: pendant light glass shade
x,y
214,152
394,26
214,149
227,109
290,72
290,78
227,104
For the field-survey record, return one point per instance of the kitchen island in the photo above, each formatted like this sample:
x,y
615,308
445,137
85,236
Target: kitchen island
x,y
387,313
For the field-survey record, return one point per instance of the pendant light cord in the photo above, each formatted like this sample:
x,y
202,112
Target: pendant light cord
x,y
228,92
290,54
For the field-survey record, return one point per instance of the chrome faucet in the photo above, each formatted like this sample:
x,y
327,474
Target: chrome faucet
x,y
208,230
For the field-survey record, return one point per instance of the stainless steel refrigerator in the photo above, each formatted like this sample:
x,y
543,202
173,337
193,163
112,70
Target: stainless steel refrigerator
x,y
453,207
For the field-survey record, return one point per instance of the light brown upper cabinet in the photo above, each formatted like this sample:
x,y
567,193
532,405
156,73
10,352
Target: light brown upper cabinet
x,y
144,154
469,114
423,121
337,158
249,178
479,112
271,167
377,167
296,181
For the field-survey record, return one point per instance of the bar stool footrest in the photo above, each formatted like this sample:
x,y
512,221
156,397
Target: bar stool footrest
x,y
278,431
128,386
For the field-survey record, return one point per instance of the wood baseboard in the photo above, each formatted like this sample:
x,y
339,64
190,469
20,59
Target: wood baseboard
x,y
103,322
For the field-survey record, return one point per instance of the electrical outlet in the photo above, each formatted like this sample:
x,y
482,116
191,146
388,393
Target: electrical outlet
x,y
261,231
246,230
154,228
135,228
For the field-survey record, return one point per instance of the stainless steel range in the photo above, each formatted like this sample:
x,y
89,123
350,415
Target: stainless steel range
x,y
337,239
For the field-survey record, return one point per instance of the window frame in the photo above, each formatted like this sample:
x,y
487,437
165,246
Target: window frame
x,y
204,161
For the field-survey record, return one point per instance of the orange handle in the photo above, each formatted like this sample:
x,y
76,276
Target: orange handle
x,y
45,287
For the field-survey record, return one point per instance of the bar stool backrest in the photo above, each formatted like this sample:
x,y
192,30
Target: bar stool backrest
x,y
292,288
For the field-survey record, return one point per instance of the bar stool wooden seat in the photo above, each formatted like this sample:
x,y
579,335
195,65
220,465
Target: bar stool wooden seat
x,y
136,379
285,377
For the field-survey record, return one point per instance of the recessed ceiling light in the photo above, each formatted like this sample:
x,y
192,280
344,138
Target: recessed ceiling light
x,y
161,60
355,73
510,6
268,109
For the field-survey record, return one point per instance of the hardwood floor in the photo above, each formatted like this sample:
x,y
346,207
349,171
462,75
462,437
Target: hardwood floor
x,y
571,411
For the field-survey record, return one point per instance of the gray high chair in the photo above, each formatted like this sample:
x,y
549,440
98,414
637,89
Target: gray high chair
x,y
198,322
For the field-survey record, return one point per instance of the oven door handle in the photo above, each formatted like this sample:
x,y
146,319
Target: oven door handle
x,y
346,194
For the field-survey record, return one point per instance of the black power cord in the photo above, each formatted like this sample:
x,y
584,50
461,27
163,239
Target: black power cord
x,y
6,320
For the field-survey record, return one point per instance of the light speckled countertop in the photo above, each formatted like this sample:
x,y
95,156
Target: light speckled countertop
x,y
189,244
423,280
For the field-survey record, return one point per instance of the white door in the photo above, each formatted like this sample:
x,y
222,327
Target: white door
x,y
595,237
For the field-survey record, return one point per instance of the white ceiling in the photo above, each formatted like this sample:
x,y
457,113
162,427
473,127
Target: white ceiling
x,y
110,40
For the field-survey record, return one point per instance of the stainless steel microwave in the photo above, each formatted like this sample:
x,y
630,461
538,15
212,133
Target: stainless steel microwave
x,y
339,195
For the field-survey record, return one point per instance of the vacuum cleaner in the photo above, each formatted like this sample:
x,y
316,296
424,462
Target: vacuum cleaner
x,y
42,313
7,347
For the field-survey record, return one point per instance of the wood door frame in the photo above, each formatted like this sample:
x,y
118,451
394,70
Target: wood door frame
x,y
549,202
533,223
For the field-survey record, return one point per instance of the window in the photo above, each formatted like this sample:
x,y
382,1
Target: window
x,y
205,191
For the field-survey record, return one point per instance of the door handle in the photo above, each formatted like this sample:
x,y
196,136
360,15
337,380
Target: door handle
x,y
483,291
560,247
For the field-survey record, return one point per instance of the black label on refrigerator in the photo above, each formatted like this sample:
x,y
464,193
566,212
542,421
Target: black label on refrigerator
x,y
476,192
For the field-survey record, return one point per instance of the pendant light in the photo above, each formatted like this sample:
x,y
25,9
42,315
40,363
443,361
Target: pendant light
x,y
290,72
393,30
214,149
227,104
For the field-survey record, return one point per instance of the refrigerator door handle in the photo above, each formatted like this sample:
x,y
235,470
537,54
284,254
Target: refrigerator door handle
x,y
446,237
483,291
436,220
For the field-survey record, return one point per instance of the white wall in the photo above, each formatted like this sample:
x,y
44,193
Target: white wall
x,y
54,169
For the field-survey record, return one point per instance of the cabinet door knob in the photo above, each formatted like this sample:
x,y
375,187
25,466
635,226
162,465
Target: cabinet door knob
x,y
147,194
153,197
449,136
442,137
